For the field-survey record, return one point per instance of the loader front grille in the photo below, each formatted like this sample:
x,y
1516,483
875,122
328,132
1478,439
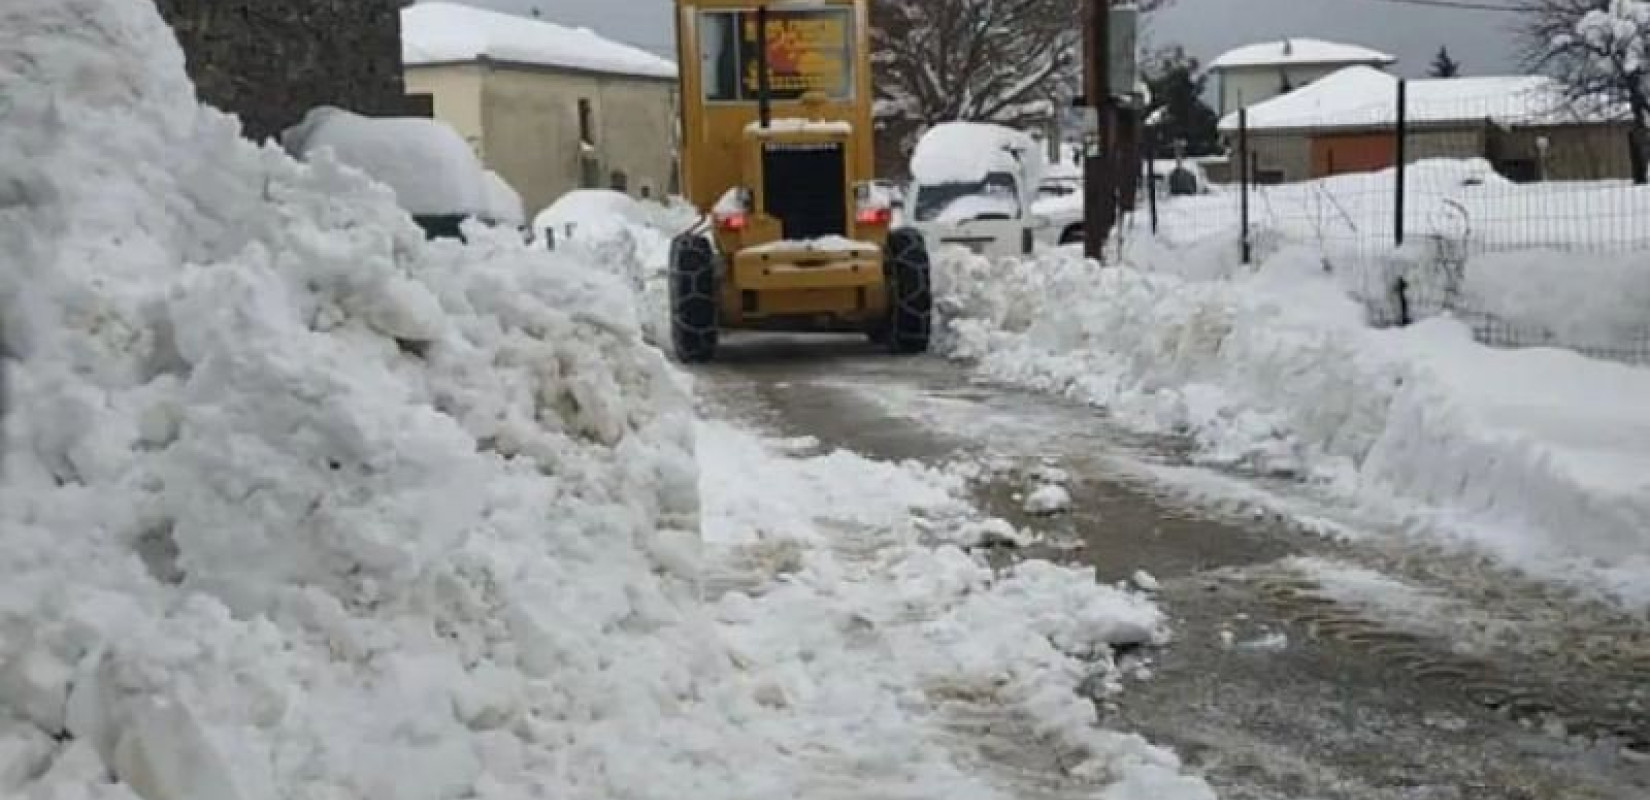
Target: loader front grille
x,y
805,187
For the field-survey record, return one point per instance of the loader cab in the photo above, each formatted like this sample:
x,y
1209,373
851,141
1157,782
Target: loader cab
x,y
798,160
777,152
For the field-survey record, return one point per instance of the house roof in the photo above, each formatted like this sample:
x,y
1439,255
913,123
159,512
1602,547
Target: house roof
x,y
1365,97
448,33
1288,52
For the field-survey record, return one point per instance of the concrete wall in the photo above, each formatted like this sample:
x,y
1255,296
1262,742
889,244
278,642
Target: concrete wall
x,y
1574,152
269,61
1250,85
456,93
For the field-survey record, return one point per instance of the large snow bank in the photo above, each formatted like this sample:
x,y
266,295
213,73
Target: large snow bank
x,y
1538,455
298,505
445,33
426,163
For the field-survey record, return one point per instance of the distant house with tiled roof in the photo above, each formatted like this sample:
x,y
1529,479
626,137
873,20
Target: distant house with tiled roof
x,y
1258,72
1346,122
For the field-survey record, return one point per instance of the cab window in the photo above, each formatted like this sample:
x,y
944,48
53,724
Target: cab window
x,y
808,50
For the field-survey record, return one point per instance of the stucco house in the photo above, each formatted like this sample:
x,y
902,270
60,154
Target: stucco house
x,y
1258,72
1347,122
549,107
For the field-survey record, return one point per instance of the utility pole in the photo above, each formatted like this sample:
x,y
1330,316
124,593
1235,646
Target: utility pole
x,y
1099,179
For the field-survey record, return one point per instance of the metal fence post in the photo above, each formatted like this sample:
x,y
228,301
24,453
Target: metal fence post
x,y
1151,186
1243,183
1402,156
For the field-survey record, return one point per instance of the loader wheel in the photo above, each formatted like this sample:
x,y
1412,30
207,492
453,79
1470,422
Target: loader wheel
x,y
693,291
910,292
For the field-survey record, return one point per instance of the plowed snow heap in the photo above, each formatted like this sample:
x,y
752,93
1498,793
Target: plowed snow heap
x,y
296,504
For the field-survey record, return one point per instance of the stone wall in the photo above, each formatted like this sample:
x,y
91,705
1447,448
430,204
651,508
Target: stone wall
x,y
268,61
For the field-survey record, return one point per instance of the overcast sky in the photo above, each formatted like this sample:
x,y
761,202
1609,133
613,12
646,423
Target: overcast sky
x,y
1480,40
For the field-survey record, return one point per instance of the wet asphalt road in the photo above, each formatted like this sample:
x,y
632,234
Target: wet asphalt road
x,y
1281,682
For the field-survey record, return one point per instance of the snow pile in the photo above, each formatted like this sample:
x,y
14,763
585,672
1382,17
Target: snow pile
x,y
447,33
1541,456
504,204
847,605
298,504
1580,300
627,238
426,163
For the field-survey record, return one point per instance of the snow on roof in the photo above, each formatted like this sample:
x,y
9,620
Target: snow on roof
x,y
1298,51
444,33
961,152
1364,97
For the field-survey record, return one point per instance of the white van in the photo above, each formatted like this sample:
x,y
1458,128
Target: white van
x,y
973,186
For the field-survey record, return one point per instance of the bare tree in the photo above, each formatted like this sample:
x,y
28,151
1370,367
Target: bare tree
x,y
1006,61
1600,50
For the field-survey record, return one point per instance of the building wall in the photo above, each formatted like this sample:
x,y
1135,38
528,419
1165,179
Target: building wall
x,y
530,131
1575,152
1250,85
1597,152
269,61
455,91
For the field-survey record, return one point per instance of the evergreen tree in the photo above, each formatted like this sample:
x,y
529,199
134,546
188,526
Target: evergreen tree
x,y
1443,66
1179,115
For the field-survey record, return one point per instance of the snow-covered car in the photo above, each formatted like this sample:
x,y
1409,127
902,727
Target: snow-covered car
x,y
596,213
1058,219
973,186
436,177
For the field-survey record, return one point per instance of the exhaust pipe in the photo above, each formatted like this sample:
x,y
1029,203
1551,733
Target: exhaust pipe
x,y
764,88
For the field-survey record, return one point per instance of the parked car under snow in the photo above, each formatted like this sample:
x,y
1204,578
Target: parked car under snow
x,y
435,175
972,185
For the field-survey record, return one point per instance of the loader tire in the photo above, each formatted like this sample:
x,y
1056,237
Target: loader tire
x,y
693,299
910,292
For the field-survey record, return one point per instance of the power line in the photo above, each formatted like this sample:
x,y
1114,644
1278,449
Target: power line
x,y
1470,5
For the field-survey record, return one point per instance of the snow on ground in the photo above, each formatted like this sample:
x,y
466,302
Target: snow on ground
x,y
1540,456
297,504
847,601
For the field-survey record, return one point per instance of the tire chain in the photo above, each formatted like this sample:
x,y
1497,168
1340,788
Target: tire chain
x,y
908,299
685,289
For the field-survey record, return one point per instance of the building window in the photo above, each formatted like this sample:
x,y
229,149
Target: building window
x,y
587,123
618,181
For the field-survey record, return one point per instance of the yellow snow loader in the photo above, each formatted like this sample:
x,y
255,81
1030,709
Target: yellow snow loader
x,y
777,152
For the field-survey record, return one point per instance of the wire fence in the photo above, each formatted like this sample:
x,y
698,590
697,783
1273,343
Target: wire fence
x,y
1490,200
